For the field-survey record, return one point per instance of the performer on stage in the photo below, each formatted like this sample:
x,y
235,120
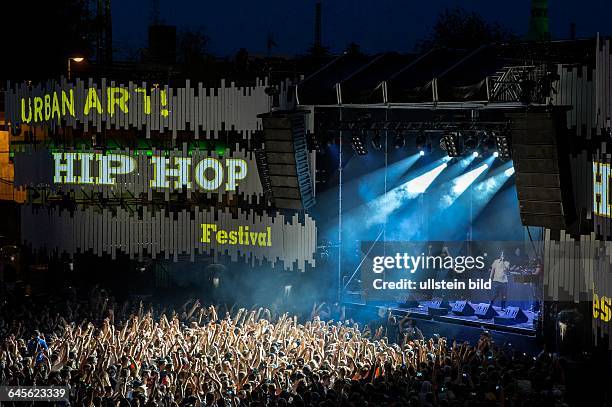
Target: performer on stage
x,y
442,274
499,276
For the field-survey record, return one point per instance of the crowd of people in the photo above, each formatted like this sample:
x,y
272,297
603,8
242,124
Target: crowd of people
x,y
129,354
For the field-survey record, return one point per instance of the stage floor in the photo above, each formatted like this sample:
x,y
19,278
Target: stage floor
x,y
521,340
525,328
421,312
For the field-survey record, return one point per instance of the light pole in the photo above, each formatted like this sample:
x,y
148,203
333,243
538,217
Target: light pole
x,y
75,59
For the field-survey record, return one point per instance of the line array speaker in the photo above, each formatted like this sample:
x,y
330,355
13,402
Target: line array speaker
x,y
287,174
542,166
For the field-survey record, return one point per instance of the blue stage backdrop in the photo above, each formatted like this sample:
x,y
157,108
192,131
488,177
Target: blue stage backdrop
x,y
420,198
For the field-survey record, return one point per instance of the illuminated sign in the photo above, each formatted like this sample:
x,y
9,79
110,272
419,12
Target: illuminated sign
x,y
241,236
59,105
246,235
602,307
601,189
97,104
208,174
140,172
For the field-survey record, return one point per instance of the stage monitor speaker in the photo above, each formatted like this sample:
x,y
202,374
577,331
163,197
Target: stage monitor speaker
x,y
511,316
284,164
440,303
463,308
438,306
409,304
541,159
485,311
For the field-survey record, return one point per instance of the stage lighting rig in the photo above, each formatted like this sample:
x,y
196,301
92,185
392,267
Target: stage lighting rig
x,y
376,141
399,141
315,143
487,141
423,144
503,146
357,141
471,142
420,141
450,143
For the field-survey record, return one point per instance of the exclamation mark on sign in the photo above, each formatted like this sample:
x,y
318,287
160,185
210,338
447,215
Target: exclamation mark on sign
x,y
164,103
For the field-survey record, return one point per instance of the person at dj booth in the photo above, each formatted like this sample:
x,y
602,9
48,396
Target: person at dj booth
x,y
518,257
499,278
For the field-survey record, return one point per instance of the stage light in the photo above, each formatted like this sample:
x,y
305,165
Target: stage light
x,y
420,141
376,142
423,144
398,141
476,154
496,154
316,144
357,143
509,172
471,142
450,143
503,146
487,141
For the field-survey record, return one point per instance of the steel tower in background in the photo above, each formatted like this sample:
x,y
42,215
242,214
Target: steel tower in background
x,y
538,22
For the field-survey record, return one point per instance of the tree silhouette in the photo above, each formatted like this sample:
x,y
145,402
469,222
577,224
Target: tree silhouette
x,y
192,46
192,52
457,28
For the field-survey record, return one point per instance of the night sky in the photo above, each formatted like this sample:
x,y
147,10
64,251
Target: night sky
x,y
377,25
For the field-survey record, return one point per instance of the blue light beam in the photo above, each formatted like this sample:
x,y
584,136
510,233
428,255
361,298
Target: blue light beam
x,y
485,190
381,208
372,185
420,184
460,184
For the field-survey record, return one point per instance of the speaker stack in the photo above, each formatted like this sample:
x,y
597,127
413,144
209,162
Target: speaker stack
x,y
284,163
541,159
